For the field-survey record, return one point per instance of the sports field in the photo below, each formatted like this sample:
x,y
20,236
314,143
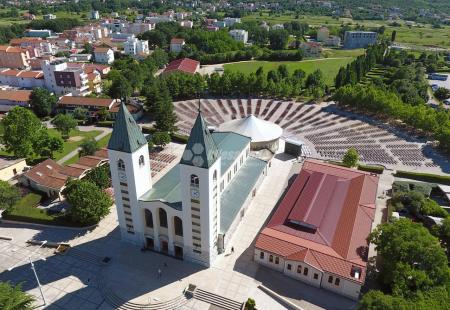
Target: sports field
x,y
329,67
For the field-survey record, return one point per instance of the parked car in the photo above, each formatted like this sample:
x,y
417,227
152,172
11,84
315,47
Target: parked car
x,y
434,87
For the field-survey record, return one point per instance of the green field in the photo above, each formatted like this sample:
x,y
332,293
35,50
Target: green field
x,y
422,35
329,67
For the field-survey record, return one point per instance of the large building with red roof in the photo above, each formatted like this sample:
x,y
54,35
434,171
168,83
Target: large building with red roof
x,y
318,233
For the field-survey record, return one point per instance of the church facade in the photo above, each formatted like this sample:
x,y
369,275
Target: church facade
x,y
193,210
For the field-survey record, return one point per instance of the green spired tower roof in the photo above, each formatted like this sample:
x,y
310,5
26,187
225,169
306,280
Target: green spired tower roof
x,y
126,135
201,150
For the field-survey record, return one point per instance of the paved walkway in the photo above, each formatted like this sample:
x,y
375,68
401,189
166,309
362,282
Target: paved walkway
x,y
105,132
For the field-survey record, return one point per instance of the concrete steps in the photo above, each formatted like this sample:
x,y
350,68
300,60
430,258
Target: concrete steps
x,y
217,300
118,303
86,257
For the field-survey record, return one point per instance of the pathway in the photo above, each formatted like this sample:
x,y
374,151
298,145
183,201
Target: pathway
x,y
105,132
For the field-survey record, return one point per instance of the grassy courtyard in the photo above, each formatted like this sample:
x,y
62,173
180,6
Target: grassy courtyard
x,y
329,67
103,142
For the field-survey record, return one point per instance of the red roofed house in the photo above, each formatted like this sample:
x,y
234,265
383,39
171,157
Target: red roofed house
x,y
12,98
318,233
185,65
14,57
311,49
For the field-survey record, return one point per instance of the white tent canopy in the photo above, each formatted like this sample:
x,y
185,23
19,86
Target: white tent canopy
x,y
256,129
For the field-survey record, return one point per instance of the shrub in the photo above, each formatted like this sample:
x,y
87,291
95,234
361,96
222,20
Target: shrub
x,y
373,169
426,177
105,123
432,208
351,158
250,304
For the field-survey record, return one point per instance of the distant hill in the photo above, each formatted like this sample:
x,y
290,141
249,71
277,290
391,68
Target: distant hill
x,y
439,5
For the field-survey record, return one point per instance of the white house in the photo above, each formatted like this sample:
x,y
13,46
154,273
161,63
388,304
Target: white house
x,y
95,15
104,55
176,45
239,35
192,211
134,46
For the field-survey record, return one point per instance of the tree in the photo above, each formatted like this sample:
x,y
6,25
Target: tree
x,y
442,93
88,147
103,114
42,102
100,176
164,114
161,138
250,304
9,195
21,127
278,39
413,259
89,204
80,114
64,123
13,298
45,145
393,36
351,157
120,88
444,234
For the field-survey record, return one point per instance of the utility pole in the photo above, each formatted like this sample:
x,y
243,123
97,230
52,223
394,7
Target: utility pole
x,y
34,269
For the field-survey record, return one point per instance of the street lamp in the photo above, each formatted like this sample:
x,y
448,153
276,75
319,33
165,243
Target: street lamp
x,y
34,269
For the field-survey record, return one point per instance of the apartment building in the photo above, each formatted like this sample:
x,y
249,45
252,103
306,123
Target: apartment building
x,y
239,35
61,79
134,46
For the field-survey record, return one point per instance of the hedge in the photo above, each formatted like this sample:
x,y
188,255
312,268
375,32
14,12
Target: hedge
x,y
105,123
426,177
176,137
372,169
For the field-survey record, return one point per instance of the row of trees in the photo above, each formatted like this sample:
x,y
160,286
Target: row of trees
x,y
388,104
279,82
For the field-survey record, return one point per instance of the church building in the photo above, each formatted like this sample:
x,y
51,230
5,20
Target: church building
x,y
193,210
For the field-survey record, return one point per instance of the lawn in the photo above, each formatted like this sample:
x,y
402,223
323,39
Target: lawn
x,y
25,211
74,141
329,67
103,142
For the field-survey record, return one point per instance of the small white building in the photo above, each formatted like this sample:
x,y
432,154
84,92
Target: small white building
x,y
239,35
9,168
186,23
104,55
230,21
49,16
134,46
95,15
278,27
176,45
322,34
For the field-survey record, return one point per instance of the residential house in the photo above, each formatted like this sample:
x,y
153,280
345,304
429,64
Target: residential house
x,y
334,41
311,49
239,35
176,45
322,34
186,23
41,33
10,168
49,16
318,232
95,15
185,65
278,27
134,46
11,98
104,55
67,104
22,78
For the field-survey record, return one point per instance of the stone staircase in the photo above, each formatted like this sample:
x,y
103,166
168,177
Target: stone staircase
x,y
217,300
86,257
119,303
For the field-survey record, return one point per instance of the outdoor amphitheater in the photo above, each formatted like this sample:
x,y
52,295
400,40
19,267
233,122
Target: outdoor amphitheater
x,y
326,131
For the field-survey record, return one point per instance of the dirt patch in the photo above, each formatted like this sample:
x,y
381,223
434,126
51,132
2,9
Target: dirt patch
x,y
75,139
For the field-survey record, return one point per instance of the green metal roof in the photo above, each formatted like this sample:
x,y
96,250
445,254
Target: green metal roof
x,y
230,146
126,135
235,194
167,189
201,150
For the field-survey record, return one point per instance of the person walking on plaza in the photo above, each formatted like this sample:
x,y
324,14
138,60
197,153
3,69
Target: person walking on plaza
x,y
159,273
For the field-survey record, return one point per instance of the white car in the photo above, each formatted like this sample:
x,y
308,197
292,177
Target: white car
x,y
447,101
434,87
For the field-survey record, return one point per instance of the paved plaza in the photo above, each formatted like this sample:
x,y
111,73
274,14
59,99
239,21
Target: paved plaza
x,y
328,131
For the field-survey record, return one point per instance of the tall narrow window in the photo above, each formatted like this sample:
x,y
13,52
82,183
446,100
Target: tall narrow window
x,y
162,218
178,225
141,160
120,165
215,177
148,218
195,180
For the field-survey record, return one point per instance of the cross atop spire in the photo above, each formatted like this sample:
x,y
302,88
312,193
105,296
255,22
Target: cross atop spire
x,y
199,106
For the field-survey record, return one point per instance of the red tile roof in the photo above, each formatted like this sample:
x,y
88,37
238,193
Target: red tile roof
x,y
177,41
48,174
186,65
324,219
85,101
102,153
15,95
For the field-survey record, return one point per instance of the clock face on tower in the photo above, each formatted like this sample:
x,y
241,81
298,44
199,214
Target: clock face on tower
x,y
195,193
122,176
